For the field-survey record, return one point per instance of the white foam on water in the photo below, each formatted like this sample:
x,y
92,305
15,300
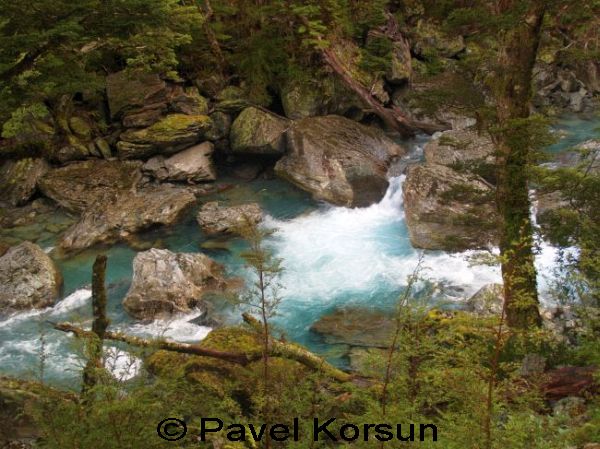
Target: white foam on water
x,y
338,250
121,364
73,301
178,328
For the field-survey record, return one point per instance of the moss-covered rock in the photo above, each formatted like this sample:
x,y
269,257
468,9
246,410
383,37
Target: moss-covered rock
x,y
302,99
169,135
256,131
189,101
231,100
18,179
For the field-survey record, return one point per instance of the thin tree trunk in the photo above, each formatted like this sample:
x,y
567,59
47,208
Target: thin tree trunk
x,y
96,337
513,92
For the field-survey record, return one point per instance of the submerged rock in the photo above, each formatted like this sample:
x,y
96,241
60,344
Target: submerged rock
x,y
18,179
165,283
169,135
191,165
116,219
356,327
29,278
448,210
256,131
76,186
338,160
216,219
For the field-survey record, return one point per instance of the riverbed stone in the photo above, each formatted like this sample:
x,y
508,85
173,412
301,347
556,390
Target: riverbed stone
x,y
356,327
256,131
119,217
169,135
29,278
78,185
192,165
165,283
215,218
338,160
448,210
19,178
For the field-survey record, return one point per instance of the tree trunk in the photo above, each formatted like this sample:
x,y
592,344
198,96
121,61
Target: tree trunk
x,y
96,337
513,92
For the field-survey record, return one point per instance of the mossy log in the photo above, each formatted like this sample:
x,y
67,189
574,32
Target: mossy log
x,y
277,348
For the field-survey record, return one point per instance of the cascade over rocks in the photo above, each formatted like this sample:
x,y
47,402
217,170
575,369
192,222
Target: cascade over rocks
x,y
448,210
255,131
29,278
338,160
165,283
78,185
191,165
18,179
216,219
117,218
169,135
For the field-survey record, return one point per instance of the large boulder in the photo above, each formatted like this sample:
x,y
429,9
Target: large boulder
x,y
255,131
76,186
116,219
29,278
165,283
448,210
18,179
301,99
128,91
191,165
169,135
338,160
216,219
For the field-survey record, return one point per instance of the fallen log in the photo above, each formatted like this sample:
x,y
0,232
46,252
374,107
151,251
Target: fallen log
x,y
277,348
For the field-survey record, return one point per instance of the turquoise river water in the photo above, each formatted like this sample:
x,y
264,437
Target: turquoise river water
x,y
333,256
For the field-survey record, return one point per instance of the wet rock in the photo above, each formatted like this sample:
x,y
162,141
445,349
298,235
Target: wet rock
x,y
338,160
29,278
256,131
76,186
165,283
133,90
18,179
169,135
191,165
448,210
356,327
117,218
216,219
487,300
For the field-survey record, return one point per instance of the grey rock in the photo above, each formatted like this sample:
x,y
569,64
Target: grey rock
x,y
448,210
29,278
165,283
338,160
76,186
118,218
191,165
216,219
488,300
